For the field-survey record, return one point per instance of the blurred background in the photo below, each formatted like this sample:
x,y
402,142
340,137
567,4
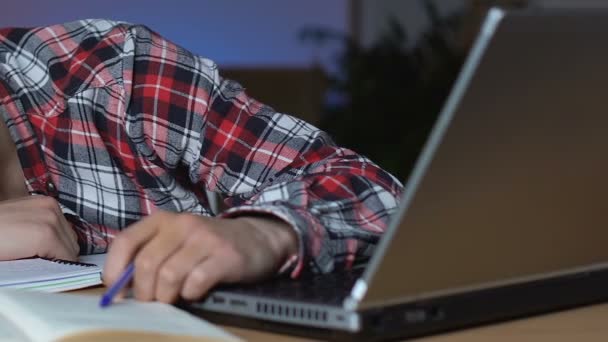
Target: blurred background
x,y
372,73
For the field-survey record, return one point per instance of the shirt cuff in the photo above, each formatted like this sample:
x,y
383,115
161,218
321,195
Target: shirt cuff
x,y
294,263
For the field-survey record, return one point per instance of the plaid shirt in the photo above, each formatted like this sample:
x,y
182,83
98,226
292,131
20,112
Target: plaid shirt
x,y
116,122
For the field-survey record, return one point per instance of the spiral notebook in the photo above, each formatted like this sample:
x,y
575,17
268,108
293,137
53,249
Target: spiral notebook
x,y
51,275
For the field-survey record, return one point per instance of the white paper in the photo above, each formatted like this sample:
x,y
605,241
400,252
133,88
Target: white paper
x,y
46,316
8,332
40,272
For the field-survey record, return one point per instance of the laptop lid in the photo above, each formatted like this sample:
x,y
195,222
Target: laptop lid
x,y
512,183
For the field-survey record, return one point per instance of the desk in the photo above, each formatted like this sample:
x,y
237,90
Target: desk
x,y
583,324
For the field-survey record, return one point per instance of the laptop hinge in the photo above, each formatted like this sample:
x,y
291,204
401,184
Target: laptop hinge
x,y
356,294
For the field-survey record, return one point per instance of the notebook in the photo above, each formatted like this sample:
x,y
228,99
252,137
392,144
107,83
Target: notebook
x,y
50,317
51,275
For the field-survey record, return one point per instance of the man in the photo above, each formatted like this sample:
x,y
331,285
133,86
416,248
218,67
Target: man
x,y
111,137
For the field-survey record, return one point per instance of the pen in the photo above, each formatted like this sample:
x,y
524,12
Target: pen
x,y
126,275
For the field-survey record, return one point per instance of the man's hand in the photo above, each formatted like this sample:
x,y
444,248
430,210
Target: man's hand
x,y
184,255
35,226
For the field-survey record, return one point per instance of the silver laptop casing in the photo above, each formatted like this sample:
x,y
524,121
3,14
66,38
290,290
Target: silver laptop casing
x,y
510,187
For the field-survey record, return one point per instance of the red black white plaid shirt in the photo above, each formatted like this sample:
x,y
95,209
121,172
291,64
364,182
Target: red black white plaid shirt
x,y
116,122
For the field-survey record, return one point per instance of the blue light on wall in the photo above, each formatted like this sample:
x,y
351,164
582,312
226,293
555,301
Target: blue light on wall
x,y
231,32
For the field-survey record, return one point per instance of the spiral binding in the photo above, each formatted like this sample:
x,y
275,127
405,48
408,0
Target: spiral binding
x,y
73,263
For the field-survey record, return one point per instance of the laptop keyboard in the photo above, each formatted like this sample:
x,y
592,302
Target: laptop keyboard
x,y
329,289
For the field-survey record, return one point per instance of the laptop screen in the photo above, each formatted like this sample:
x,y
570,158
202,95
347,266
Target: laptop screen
x,y
512,183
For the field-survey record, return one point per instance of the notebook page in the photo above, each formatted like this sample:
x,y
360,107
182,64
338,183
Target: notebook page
x,y
59,315
61,285
32,270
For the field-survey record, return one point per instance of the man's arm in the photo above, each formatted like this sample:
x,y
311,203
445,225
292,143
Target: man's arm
x,y
261,161
335,203
184,255
173,108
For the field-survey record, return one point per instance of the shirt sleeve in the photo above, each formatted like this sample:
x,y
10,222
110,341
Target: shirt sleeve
x,y
188,121
262,161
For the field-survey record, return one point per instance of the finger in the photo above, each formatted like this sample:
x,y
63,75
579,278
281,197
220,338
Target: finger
x,y
42,238
59,222
126,244
72,236
173,272
148,261
203,277
51,244
41,216
67,233
64,253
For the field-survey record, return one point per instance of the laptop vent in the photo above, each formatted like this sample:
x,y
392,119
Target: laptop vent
x,y
290,311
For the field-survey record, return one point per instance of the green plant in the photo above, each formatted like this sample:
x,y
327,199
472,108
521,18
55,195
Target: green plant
x,y
391,93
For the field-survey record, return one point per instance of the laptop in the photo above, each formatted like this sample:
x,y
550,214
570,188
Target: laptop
x,y
505,213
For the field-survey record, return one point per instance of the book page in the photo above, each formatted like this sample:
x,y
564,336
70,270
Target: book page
x,y
46,316
9,332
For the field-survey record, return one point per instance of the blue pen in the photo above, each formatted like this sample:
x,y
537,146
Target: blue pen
x,y
107,297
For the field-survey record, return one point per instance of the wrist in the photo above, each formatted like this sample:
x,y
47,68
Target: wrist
x,y
281,237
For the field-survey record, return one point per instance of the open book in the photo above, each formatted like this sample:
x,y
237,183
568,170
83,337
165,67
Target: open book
x,y
44,317
51,275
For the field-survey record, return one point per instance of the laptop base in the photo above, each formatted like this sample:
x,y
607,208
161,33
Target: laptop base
x,y
448,313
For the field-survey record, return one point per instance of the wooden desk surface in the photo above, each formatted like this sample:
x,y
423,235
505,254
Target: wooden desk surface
x,y
582,324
